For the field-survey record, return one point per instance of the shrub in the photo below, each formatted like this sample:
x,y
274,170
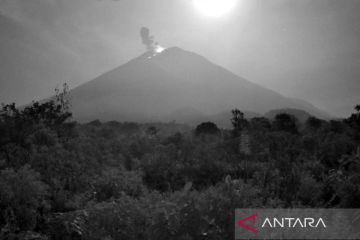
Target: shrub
x,y
207,128
22,194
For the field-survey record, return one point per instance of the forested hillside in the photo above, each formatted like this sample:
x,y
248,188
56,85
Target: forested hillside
x,y
112,180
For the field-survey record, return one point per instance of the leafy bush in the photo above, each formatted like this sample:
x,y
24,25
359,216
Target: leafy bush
x,y
207,128
113,183
22,199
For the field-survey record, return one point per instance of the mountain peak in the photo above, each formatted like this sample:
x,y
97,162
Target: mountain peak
x,y
179,52
171,52
174,49
155,87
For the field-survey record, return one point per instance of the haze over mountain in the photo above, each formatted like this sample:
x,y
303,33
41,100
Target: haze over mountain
x,y
174,85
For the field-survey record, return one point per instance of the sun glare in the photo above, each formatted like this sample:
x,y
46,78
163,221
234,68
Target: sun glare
x,y
214,8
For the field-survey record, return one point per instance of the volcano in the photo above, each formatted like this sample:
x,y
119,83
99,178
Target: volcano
x,y
174,85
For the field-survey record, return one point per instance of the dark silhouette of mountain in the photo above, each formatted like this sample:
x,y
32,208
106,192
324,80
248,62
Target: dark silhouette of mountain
x,y
301,115
174,85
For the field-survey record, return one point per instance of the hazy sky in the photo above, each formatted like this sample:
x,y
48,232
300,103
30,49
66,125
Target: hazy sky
x,y
307,49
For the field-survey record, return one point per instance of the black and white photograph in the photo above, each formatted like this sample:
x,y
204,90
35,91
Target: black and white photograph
x,y
179,119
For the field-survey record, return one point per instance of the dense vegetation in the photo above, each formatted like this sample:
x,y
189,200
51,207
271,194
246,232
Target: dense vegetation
x,y
64,180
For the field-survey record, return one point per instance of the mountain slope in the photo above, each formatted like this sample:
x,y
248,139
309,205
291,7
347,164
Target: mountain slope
x,y
174,85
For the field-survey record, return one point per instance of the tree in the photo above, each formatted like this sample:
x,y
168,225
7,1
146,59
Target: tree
x,y
152,131
207,128
285,122
260,124
21,196
238,121
19,126
357,108
52,113
313,123
354,119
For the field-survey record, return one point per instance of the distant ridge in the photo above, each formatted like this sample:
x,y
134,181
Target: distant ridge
x,y
174,85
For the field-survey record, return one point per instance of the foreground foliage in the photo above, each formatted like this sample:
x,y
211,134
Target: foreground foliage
x,y
63,180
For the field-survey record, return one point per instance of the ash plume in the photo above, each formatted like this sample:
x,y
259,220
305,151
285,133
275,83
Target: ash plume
x,y
148,41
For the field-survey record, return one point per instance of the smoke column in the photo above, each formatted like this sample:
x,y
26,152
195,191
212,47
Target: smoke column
x,y
146,39
149,42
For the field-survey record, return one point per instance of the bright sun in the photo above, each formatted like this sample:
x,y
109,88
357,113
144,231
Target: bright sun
x,y
214,8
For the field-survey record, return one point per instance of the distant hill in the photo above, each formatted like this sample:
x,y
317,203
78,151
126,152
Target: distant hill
x,y
175,85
